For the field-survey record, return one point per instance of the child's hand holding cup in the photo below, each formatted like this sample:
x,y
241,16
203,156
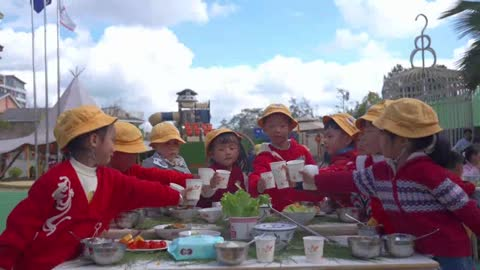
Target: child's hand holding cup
x,y
308,173
266,182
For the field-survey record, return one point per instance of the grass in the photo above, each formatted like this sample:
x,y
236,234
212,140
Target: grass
x,y
9,199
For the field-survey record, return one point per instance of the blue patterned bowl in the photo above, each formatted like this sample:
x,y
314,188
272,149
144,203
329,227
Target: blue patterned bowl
x,y
282,231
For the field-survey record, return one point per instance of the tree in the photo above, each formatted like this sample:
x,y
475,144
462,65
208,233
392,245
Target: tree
x,y
301,108
395,70
468,23
343,96
361,108
244,121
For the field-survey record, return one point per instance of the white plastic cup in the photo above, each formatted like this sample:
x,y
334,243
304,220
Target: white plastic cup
x,y
294,168
265,246
280,174
206,175
225,175
268,179
217,204
194,189
313,248
311,170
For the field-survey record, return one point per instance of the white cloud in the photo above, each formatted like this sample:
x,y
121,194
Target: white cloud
x,y
218,9
345,39
392,19
152,13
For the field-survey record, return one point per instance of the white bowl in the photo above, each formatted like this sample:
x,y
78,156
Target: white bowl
x,y
211,215
185,214
301,217
198,232
169,234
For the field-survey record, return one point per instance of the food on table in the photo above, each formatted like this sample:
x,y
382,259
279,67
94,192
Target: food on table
x,y
176,226
297,208
140,243
241,204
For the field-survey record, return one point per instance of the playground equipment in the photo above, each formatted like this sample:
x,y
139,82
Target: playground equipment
x,y
192,118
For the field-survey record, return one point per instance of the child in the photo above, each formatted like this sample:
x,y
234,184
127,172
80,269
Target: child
x,y
225,151
77,198
455,164
128,144
165,140
370,153
471,171
277,122
340,133
415,189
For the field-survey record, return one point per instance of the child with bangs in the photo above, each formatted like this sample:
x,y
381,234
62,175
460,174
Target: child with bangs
x,y
225,152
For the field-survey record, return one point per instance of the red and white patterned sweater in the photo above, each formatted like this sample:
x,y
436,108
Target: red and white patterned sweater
x,y
419,198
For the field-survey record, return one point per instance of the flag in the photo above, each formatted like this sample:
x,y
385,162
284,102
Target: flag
x,y
38,5
65,19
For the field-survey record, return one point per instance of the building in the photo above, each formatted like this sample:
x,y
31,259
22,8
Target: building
x,y
8,102
10,84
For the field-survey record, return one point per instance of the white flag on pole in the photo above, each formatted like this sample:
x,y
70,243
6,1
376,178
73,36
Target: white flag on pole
x,y
65,19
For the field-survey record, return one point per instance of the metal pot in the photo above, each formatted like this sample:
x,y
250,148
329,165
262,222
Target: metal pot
x,y
343,213
365,247
231,252
400,245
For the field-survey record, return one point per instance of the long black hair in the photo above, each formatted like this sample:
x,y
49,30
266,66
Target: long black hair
x,y
230,137
470,151
437,147
79,144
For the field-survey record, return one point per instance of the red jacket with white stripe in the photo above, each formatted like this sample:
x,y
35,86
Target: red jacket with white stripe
x,y
419,198
286,196
154,174
40,229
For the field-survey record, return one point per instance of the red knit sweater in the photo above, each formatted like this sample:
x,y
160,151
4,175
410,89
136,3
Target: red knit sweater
x,y
38,235
236,175
163,176
281,197
419,198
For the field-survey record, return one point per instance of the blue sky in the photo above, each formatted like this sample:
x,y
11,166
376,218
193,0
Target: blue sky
x,y
237,54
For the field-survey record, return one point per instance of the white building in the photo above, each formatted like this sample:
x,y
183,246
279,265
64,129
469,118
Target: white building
x,y
10,84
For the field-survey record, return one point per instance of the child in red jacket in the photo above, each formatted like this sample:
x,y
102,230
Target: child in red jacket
x,y
225,151
77,198
128,145
340,134
416,191
277,122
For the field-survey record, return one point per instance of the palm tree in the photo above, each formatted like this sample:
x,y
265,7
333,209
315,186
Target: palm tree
x,y
467,22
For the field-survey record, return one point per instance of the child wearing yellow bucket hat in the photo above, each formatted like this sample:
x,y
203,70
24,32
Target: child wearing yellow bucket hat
x,y
128,145
43,230
277,122
165,139
339,137
369,152
415,189
225,152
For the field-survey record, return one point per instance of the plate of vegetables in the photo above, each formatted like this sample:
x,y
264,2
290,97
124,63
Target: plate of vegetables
x,y
138,244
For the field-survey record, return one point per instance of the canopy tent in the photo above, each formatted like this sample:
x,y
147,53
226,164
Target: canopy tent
x,y
73,96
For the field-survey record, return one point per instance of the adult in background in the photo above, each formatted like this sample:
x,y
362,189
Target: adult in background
x,y
464,142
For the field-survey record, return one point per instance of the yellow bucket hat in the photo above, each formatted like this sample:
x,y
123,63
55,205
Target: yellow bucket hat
x,y
276,108
75,122
345,121
164,132
217,132
409,118
128,139
372,113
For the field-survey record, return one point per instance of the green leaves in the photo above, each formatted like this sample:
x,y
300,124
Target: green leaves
x,y
241,204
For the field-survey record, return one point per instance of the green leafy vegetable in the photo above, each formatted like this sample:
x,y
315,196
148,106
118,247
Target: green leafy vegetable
x,y
241,204
298,208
